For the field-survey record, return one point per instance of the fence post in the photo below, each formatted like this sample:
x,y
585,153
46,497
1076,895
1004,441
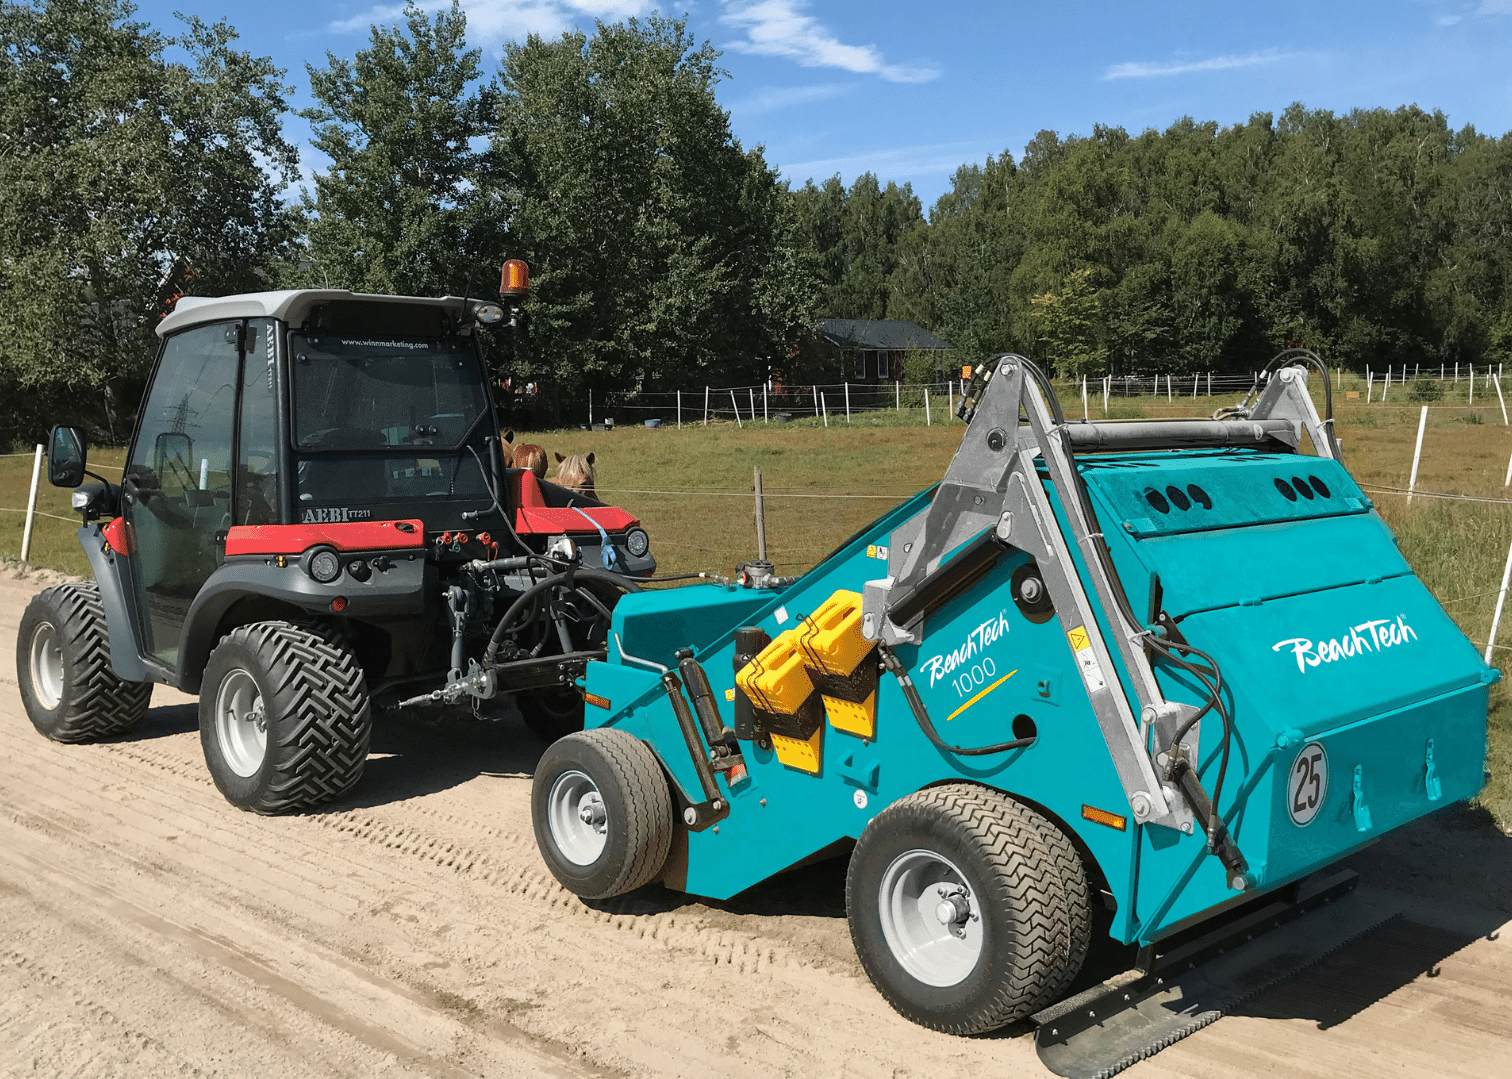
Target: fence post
x,y
766,416
1195,377
590,407
926,407
679,410
753,402
737,411
816,401
706,406
760,521
898,396
825,406
1501,598
1417,452
1501,400
31,503
1472,384
1369,384
847,402
1086,412
949,400
1508,481
1386,387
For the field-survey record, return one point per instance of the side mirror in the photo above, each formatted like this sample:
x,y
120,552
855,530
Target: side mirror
x,y
66,450
172,454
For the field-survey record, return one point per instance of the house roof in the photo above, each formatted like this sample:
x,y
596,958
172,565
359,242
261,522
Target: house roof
x,y
887,333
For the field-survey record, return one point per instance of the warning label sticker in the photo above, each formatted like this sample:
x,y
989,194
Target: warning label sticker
x,y
1086,660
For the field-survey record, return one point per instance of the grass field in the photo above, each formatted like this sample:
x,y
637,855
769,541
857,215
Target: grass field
x,y
692,488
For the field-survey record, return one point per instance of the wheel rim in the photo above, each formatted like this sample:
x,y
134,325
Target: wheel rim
x,y
930,917
47,665
577,819
240,725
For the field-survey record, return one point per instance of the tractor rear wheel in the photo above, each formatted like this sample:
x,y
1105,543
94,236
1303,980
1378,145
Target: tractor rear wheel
x,y
63,668
967,909
602,812
552,713
285,719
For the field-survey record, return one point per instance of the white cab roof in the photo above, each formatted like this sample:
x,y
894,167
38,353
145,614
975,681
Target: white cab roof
x,y
290,306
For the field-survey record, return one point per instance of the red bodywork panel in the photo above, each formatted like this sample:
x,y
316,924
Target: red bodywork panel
x,y
533,515
351,536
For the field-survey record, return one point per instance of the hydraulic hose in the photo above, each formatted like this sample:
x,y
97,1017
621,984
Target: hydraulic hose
x,y
568,579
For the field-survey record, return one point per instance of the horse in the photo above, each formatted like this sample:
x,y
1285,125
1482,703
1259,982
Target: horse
x,y
525,455
576,473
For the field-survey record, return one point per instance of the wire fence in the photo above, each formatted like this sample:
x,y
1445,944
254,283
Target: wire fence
x,y
779,402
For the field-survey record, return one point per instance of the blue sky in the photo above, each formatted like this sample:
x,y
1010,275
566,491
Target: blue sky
x,y
910,91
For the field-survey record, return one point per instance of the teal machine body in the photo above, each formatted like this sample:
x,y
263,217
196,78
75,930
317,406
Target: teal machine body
x,y
1350,702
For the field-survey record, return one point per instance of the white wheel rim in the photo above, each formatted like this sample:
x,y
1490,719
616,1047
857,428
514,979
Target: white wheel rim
x,y
240,726
931,918
47,666
577,819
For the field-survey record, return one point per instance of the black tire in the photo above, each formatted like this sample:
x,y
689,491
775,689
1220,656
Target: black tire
x,y
634,833
70,693
316,718
1026,895
552,713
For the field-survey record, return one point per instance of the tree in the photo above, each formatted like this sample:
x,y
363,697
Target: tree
x,y
1067,326
128,178
855,236
662,252
399,210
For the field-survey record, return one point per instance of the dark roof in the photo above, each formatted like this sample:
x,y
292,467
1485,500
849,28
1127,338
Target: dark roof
x,y
889,333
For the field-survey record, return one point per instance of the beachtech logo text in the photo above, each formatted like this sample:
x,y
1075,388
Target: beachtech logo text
x,y
1376,636
976,642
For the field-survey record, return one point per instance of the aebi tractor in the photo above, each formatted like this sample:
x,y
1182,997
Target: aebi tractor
x,y
315,515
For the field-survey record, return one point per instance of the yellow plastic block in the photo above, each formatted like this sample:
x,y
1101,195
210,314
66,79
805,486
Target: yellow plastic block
x,y
853,718
804,754
776,680
830,638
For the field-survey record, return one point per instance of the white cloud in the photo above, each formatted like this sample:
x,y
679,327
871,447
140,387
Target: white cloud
x,y
773,98
900,163
1150,69
1494,7
498,20
780,28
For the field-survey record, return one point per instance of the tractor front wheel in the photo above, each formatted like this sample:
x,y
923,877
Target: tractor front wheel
x,y
285,719
967,909
602,812
63,668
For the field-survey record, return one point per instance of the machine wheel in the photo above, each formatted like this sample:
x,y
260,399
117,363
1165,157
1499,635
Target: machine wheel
x,y
552,713
602,812
285,719
968,910
63,668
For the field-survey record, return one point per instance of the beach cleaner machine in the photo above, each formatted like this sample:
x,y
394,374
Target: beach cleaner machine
x,y
1150,678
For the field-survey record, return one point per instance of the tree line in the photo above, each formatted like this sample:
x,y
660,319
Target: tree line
x,y
136,166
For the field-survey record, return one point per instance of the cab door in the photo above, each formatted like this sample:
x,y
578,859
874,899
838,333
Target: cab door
x,y
184,483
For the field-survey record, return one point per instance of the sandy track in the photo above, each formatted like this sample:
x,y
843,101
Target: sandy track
x,y
147,928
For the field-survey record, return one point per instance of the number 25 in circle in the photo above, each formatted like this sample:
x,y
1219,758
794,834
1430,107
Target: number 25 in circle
x,y
1308,785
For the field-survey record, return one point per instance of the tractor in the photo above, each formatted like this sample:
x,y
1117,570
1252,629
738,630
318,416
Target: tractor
x,y
315,520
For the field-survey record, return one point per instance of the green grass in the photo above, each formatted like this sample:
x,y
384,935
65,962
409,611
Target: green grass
x,y
691,488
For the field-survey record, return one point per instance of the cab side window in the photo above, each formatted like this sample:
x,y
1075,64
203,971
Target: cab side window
x,y
257,463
